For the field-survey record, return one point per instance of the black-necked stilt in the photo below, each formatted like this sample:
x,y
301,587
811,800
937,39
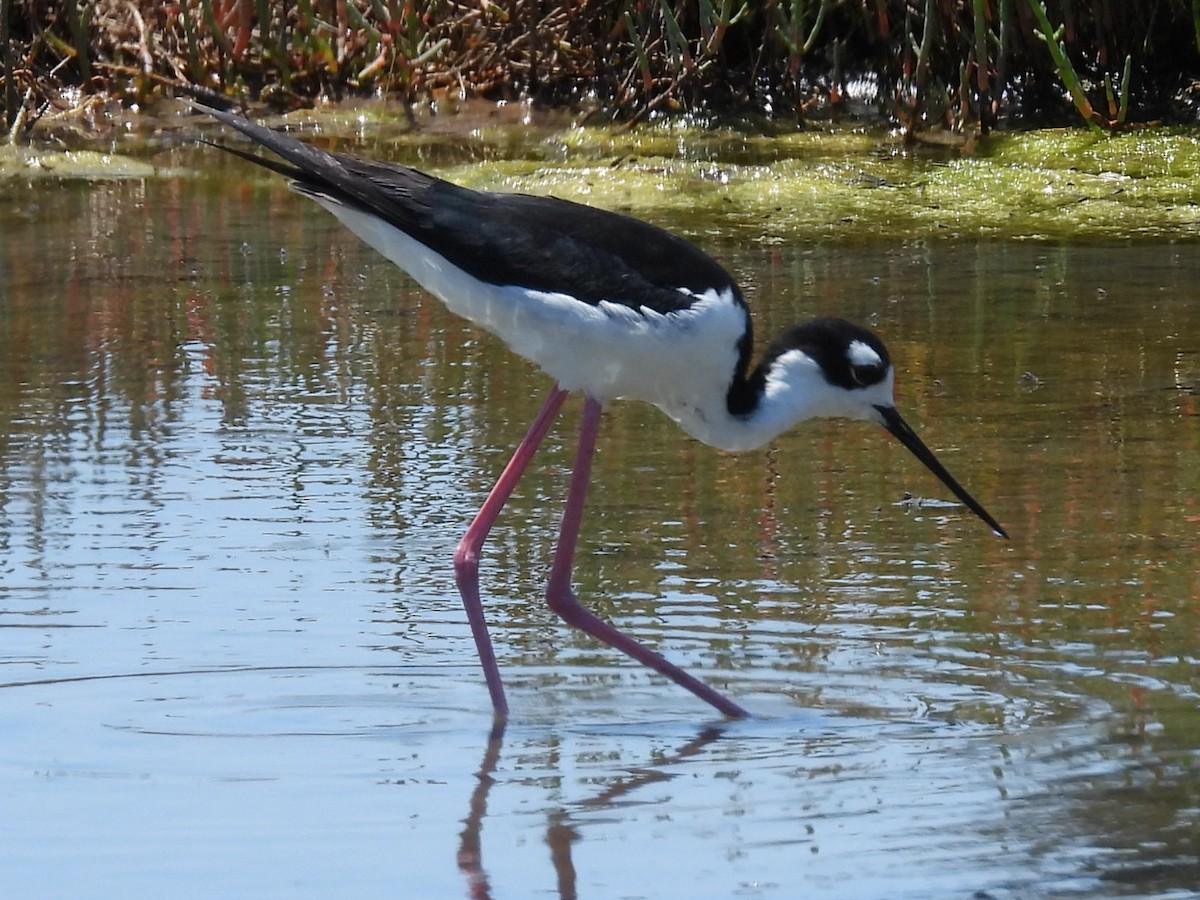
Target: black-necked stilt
x,y
609,306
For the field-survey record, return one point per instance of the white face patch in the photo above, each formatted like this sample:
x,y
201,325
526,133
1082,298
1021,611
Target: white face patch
x,y
861,354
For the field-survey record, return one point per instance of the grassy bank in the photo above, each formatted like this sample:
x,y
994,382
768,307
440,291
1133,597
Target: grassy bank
x,y
967,65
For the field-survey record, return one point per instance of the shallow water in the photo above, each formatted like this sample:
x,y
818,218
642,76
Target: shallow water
x,y
237,450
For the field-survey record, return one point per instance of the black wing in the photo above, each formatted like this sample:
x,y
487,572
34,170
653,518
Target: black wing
x,y
541,243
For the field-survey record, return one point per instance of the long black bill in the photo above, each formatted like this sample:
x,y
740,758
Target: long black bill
x,y
894,423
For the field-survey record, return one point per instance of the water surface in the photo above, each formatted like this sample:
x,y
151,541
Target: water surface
x,y
237,450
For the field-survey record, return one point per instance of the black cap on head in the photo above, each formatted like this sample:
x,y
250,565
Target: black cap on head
x,y
849,355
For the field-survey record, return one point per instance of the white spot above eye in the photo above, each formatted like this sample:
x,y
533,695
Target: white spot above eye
x,y
861,354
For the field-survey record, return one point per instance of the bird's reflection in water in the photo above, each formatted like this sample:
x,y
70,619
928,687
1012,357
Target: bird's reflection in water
x,y
470,853
561,831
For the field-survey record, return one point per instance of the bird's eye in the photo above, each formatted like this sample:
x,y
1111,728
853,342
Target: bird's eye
x,y
865,375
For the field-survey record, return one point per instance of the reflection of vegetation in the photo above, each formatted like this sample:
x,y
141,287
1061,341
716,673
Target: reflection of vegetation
x,y
922,62
126,306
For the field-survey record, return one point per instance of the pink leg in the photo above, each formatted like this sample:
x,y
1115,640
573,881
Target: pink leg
x,y
562,600
466,557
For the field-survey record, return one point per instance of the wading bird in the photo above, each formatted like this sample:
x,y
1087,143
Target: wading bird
x,y
611,307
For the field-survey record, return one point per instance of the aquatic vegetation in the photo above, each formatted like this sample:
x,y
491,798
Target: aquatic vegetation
x,y
925,65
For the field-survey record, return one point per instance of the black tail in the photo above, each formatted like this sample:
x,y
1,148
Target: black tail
x,y
303,157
